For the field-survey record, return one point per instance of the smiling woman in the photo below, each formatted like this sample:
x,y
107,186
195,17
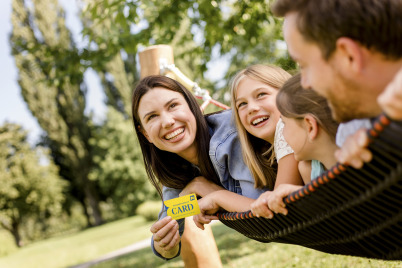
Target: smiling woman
x,y
168,123
185,152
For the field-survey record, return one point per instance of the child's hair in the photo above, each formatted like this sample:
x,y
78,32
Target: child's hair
x,y
293,101
257,153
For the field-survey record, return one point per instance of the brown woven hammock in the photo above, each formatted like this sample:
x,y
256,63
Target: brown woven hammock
x,y
345,211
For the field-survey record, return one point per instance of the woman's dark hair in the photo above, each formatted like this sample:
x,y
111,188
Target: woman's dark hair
x,y
293,101
164,167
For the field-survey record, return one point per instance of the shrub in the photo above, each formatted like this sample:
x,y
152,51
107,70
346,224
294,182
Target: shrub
x,y
150,210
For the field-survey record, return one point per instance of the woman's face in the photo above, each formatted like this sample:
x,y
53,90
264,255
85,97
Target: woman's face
x,y
168,122
256,106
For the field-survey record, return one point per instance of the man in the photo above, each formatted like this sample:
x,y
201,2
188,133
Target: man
x,y
350,52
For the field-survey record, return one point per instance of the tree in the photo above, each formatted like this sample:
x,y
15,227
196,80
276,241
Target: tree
x,y
50,74
119,169
51,71
30,184
201,32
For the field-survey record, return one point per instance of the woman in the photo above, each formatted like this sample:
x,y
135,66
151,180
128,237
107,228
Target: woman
x,y
179,144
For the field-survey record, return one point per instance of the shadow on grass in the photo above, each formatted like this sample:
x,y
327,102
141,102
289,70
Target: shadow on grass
x,y
236,250
231,245
141,258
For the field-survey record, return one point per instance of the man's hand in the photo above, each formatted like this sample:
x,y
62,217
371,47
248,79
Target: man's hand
x,y
391,98
354,150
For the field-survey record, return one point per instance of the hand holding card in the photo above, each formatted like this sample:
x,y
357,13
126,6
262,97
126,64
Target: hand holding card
x,y
182,207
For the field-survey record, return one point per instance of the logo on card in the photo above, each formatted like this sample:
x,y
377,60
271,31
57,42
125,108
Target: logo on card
x,y
182,207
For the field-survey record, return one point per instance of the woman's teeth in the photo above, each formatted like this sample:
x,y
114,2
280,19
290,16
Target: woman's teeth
x,y
174,134
258,120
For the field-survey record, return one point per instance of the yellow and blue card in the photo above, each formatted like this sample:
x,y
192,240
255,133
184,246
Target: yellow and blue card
x,y
182,207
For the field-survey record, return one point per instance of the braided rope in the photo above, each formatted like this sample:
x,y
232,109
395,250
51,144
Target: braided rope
x,y
345,210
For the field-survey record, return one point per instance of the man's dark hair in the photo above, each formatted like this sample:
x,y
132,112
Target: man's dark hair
x,y
375,24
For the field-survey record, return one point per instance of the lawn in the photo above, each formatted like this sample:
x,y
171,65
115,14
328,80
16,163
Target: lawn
x,y
235,249
68,250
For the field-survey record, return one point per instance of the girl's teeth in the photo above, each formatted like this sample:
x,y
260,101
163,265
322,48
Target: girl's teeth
x,y
258,120
174,134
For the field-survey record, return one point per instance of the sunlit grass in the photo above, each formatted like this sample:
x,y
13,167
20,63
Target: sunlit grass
x,y
237,250
7,244
81,247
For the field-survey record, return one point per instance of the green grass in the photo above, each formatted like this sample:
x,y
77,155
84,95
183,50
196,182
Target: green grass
x,y
81,247
235,249
7,244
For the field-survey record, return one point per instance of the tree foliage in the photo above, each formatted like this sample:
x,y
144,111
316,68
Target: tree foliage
x,y
30,184
50,75
201,32
103,162
119,169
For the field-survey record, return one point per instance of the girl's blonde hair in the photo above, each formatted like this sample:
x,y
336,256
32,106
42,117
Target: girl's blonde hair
x,y
257,153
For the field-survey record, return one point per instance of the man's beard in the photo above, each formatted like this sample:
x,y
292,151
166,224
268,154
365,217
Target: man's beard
x,y
345,103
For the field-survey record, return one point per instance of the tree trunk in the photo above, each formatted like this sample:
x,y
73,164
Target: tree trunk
x,y
16,234
93,203
86,213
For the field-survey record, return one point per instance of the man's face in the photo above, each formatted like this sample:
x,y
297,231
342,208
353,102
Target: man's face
x,y
323,76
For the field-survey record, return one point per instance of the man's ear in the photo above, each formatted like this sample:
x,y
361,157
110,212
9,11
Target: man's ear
x,y
311,126
349,55
144,133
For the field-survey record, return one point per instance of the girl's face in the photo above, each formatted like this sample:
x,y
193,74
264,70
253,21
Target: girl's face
x,y
256,106
296,136
168,122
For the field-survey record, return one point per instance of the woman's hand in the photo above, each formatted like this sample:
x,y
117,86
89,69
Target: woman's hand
x,y
260,206
166,237
354,150
200,186
208,207
201,219
275,199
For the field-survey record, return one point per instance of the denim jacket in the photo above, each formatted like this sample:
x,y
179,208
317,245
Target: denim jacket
x,y
226,156
227,159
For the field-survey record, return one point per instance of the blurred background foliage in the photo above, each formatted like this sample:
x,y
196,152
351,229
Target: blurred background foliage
x,y
83,173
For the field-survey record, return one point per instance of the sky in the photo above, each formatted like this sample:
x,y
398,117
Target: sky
x,y
13,109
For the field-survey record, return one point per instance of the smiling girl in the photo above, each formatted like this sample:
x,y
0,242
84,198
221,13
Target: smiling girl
x,y
266,153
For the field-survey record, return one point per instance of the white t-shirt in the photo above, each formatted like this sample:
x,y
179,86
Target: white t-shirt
x,y
281,147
